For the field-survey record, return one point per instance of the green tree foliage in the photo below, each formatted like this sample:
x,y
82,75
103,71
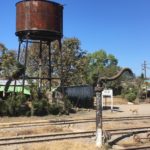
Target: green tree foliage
x,y
130,96
77,66
7,61
3,49
74,62
101,64
10,68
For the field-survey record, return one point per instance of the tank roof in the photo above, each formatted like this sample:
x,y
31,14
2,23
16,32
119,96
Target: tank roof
x,y
55,3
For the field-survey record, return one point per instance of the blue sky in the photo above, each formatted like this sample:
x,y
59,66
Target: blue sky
x,y
120,27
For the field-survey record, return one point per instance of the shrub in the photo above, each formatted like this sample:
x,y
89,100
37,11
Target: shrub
x,y
130,92
15,105
67,105
40,107
18,104
61,107
3,108
55,109
130,97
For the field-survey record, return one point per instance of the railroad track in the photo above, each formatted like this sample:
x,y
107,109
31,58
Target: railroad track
x,y
146,147
43,123
45,137
64,136
139,147
126,118
129,130
107,119
65,122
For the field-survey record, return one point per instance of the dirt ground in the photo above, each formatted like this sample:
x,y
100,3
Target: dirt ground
x,y
81,144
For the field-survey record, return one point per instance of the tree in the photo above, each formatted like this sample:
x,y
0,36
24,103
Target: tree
x,y
2,48
101,64
74,62
10,68
2,52
142,76
7,61
33,60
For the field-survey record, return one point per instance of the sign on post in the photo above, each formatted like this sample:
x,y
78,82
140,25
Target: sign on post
x,y
108,93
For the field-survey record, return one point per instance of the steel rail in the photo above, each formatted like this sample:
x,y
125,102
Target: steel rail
x,y
64,122
126,118
45,137
62,136
71,120
42,123
126,129
138,147
130,132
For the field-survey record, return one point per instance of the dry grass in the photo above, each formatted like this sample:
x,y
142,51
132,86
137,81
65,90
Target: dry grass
x,y
119,100
116,100
126,124
26,119
57,145
65,145
41,130
129,142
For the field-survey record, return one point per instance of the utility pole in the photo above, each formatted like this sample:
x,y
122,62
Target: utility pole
x,y
144,68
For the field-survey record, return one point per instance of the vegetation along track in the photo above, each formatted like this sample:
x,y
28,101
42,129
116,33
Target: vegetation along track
x,y
63,122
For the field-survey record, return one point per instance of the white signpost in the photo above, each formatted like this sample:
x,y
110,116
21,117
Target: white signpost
x,y
108,93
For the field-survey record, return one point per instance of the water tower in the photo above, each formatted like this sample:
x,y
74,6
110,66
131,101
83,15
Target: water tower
x,y
38,21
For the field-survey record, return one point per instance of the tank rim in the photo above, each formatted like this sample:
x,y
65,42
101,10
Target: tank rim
x,y
47,1
39,34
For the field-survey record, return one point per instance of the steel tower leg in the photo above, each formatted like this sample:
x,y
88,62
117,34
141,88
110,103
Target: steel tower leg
x,y
25,64
40,69
18,56
49,64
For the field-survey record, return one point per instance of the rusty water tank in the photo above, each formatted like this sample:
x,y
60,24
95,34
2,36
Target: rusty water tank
x,y
39,19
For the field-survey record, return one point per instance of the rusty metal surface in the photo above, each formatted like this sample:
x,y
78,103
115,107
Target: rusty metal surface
x,y
40,19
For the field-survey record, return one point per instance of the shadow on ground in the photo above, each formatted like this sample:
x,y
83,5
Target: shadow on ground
x,y
115,108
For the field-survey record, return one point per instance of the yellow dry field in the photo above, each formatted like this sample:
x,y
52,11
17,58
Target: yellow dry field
x,y
33,131
56,145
